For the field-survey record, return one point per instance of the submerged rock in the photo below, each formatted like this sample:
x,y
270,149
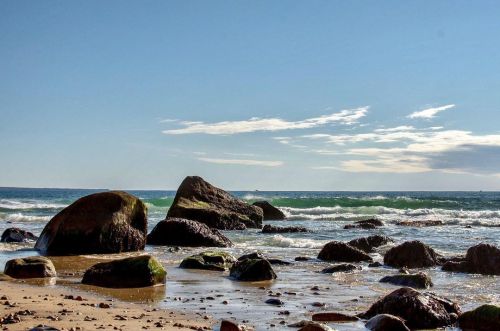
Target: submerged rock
x,y
198,200
270,212
279,229
420,224
183,232
386,322
210,260
131,272
107,222
481,259
344,267
342,252
252,267
419,280
368,244
365,224
483,318
419,310
30,267
17,235
411,254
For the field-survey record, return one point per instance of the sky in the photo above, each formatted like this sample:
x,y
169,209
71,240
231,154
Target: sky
x,y
267,95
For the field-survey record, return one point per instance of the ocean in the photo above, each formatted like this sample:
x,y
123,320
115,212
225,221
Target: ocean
x,y
468,218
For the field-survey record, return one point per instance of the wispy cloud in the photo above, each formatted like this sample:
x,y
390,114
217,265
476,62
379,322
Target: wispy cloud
x,y
255,124
430,112
242,162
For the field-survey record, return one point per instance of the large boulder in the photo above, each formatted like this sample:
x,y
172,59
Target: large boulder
x,y
386,322
210,260
411,254
107,222
483,318
270,212
252,267
418,280
131,272
368,244
342,252
268,228
481,259
200,201
183,232
419,310
16,235
30,267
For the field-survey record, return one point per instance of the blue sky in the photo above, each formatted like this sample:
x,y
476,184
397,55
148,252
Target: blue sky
x,y
269,95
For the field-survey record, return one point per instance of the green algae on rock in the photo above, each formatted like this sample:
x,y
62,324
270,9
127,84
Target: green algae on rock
x,y
209,260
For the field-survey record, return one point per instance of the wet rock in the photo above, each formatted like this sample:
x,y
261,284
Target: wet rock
x,y
375,265
107,222
17,235
483,318
334,317
420,224
481,259
344,267
368,244
42,327
270,212
411,254
302,258
365,224
198,200
252,267
30,267
280,229
210,260
275,302
386,322
419,310
418,280
315,326
231,326
342,252
183,232
137,271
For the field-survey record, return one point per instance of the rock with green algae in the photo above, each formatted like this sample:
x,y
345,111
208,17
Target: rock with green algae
x,y
483,318
131,272
252,267
209,260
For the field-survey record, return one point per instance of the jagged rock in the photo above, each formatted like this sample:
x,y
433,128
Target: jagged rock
x,y
107,222
270,212
17,235
386,322
481,259
411,254
131,272
418,280
210,260
344,267
483,318
252,267
198,200
342,252
365,224
30,267
368,244
183,232
279,229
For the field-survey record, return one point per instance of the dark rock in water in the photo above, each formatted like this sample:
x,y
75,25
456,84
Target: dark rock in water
x,y
340,268
42,327
183,232
342,252
365,224
368,244
419,280
386,322
315,326
16,235
483,318
279,262
333,317
199,201
279,229
411,254
481,259
302,258
375,265
275,302
231,326
420,224
259,255
252,267
419,310
270,212
210,260
107,222
30,267
131,272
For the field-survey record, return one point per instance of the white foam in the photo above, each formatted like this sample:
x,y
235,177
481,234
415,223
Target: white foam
x,y
19,217
281,241
31,204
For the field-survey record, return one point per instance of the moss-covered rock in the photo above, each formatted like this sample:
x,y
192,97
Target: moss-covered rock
x,y
209,260
483,318
419,280
30,267
137,271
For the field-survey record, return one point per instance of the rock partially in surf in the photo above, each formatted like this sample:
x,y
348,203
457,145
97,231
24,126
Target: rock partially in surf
x,y
183,232
315,326
411,254
100,223
274,302
481,259
280,229
252,267
333,317
270,212
131,272
17,235
418,280
419,310
209,260
344,267
483,318
420,224
30,267
386,322
368,244
198,200
375,265
365,224
342,252
302,258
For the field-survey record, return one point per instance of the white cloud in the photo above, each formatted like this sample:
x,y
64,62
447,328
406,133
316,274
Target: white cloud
x,y
346,117
242,162
430,112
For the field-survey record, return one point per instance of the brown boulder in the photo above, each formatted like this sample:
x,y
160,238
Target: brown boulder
x,y
268,228
30,267
16,235
481,259
342,252
368,244
386,322
411,254
270,212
